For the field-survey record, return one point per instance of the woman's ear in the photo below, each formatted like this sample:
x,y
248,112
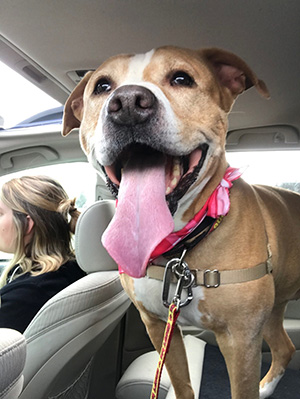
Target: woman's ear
x,y
30,224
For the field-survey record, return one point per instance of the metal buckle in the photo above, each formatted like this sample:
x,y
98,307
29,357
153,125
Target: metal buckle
x,y
185,281
211,278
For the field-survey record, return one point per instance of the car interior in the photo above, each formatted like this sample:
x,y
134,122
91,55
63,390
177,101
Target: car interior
x,y
88,341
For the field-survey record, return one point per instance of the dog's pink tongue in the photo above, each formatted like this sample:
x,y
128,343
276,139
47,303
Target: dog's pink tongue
x,y
142,218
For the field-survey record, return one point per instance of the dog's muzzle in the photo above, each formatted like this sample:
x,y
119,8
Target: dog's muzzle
x,y
138,126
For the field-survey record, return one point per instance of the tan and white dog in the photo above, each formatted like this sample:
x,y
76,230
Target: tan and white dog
x,y
155,126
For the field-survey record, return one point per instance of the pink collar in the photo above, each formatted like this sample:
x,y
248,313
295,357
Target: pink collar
x,y
218,204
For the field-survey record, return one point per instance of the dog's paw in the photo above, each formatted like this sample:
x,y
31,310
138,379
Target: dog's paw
x,y
269,387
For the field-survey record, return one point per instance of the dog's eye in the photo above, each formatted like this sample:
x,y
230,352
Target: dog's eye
x,y
181,78
102,86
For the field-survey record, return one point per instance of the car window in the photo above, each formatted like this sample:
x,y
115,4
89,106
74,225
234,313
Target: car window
x,y
274,168
29,101
77,178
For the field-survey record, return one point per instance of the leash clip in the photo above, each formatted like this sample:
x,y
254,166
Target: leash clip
x,y
185,280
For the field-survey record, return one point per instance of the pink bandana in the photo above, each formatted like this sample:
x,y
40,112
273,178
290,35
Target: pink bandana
x,y
218,204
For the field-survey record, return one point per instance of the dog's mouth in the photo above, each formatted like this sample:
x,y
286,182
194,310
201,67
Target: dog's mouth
x,y
180,171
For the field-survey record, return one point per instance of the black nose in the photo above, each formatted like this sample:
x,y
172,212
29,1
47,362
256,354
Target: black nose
x,y
131,104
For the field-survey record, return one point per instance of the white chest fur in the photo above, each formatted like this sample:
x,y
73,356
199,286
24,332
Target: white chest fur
x,y
149,292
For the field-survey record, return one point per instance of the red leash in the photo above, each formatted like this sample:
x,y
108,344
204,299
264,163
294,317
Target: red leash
x,y
173,315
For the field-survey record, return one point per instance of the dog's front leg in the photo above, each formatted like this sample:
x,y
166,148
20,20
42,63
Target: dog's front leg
x,y
282,350
176,359
242,354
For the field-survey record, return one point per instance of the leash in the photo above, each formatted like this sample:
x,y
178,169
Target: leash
x,y
172,317
176,267
185,280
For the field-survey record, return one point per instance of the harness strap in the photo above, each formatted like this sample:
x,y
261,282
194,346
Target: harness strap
x,y
192,239
214,278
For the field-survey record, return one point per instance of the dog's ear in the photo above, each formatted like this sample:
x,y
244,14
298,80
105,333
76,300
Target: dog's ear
x,y
73,110
233,72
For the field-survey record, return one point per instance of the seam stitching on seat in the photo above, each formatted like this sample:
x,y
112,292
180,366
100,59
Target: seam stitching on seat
x,y
73,316
17,344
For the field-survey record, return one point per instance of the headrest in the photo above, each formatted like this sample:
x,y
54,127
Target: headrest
x,y
90,253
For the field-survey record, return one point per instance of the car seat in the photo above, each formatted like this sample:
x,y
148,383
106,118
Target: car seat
x,y
137,379
12,361
69,329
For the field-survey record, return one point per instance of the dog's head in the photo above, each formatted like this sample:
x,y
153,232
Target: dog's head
x,y
164,109
170,100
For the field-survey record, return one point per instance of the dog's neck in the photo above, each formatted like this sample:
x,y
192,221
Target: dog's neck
x,y
195,199
217,204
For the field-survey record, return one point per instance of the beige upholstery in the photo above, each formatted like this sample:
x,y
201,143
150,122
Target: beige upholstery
x,y
137,380
90,226
71,327
12,360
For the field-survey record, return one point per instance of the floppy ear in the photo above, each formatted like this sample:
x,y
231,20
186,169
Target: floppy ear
x,y
73,110
233,72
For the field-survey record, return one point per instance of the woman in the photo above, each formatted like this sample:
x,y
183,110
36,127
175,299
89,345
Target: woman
x,y
36,222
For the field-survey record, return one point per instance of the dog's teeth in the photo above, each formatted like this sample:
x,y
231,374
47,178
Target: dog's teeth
x,y
175,176
174,182
176,167
176,170
172,185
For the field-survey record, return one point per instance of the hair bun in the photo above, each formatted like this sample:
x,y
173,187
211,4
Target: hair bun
x,y
67,207
72,207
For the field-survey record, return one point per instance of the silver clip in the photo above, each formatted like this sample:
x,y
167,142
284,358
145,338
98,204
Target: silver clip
x,y
185,281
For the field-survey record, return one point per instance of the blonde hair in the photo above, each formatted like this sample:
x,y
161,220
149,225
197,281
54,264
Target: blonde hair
x,y
54,216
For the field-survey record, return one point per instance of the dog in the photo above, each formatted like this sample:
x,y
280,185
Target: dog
x,y
154,125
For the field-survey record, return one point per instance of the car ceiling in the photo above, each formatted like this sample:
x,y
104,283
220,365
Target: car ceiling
x,y
47,39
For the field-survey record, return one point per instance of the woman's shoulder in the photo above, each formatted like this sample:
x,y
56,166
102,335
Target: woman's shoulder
x,y
67,274
72,267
